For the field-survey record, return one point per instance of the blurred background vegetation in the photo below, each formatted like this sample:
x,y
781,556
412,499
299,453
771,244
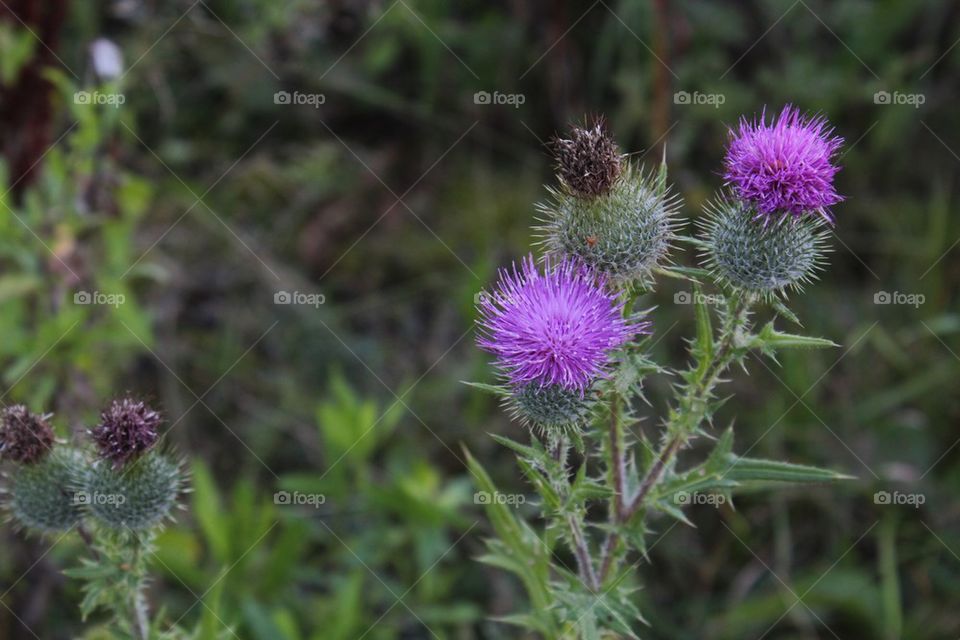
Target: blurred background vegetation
x,y
205,194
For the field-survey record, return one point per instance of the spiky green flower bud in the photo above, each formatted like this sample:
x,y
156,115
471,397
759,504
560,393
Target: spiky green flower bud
x,y
759,256
139,495
41,494
623,233
549,407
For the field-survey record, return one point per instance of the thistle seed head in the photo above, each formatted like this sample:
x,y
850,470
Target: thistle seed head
x,y
587,163
25,437
128,428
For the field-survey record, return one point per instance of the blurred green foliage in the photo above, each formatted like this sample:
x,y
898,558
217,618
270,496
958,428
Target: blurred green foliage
x,y
220,197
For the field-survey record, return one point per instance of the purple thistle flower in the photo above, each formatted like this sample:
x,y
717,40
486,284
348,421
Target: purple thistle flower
x,y
553,328
128,428
785,166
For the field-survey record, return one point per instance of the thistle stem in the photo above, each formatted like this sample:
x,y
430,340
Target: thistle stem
x,y
689,413
582,551
618,461
88,541
581,548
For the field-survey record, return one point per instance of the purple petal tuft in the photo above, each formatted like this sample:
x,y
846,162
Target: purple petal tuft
x,y
784,166
553,328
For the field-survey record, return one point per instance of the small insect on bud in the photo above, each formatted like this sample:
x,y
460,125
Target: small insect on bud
x,y
127,429
25,437
588,163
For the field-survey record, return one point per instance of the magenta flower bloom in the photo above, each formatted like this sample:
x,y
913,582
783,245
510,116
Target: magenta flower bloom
x,y
553,328
785,166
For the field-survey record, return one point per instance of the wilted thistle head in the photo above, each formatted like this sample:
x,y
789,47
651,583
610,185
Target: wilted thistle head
x,y
784,167
624,233
588,162
127,429
553,328
25,437
759,258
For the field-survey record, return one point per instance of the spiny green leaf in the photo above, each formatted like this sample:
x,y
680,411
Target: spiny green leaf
x,y
550,496
672,510
704,341
721,451
743,470
690,274
769,340
781,308
522,449
495,389
524,620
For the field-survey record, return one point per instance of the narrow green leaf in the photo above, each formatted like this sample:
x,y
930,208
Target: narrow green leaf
x,y
495,389
769,339
781,308
689,274
524,450
718,457
744,470
550,496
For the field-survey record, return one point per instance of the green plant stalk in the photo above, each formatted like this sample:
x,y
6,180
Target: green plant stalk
x,y
141,613
123,579
689,413
581,549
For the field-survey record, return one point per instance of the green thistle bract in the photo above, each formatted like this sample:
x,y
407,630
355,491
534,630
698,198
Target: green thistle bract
x,y
42,495
757,255
549,407
137,496
624,233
